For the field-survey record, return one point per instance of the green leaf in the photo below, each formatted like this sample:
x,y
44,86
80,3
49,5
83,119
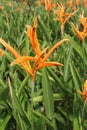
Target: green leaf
x,y
42,25
59,118
4,122
56,97
23,84
47,95
76,125
66,65
77,48
19,114
40,124
66,114
58,81
40,115
4,97
2,83
74,76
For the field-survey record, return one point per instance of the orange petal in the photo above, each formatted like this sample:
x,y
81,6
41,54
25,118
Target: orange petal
x,y
48,64
80,34
31,33
1,52
53,48
40,57
8,47
27,68
22,58
23,61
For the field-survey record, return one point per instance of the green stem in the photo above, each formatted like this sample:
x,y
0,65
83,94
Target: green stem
x,y
32,105
32,94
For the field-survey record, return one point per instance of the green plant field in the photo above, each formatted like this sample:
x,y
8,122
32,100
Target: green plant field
x,y
43,65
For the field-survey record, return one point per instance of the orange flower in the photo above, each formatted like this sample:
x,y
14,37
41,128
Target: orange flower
x,y
48,5
70,3
40,59
24,2
18,8
10,4
83,20
84,92
80,34
85,2
62,16
83,33
1,7
77,2
1,52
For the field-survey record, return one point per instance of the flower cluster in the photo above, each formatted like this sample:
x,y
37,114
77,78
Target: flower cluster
x,y
83,33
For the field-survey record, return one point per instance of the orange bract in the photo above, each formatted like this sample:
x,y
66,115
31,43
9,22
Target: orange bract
x,y
84,92
31,33
1,52
77,2
83,33
85,2
83,20
70,3
1,7
62,16
80,34
48,4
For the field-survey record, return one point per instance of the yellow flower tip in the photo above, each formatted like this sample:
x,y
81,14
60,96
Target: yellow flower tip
x,y
12,64
35,22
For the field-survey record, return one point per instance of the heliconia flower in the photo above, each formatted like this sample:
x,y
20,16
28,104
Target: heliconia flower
x,y
77,2
1,52
40,62
40,59
85,2
83,20
84,92
62,16
70,3
1,7
18,8
83,33
24,2
10,4
48,4
80,34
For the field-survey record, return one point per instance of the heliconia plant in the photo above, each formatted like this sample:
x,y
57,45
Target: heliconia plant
x,y
83,33
63,16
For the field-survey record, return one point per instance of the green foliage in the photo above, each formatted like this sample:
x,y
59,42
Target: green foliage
x,y
57,105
